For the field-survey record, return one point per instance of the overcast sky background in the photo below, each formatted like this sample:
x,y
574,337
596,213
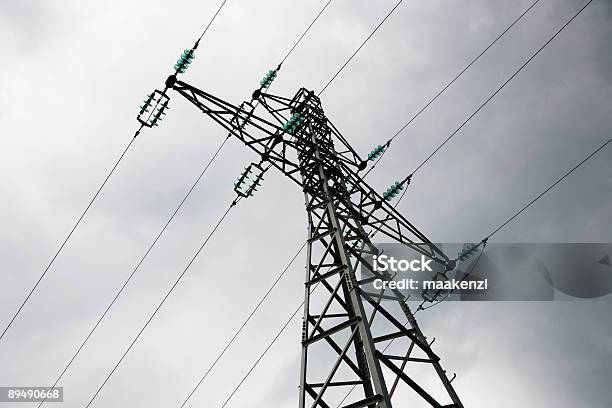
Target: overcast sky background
x,y
72,78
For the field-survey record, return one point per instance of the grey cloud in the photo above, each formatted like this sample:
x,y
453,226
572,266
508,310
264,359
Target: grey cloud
x,y
70,108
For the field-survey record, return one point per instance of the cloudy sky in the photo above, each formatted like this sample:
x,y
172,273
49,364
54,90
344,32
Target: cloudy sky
x,y
72,77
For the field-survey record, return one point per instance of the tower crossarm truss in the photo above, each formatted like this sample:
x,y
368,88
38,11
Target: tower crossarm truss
x,y
346,328
282,146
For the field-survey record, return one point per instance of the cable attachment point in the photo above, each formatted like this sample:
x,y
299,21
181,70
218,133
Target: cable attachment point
x,y
268,79
293,124
153,109
250,178
183,62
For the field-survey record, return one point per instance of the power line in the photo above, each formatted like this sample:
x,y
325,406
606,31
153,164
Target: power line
x,y
305,32
266,86
468,66
211,20
483,243
127,281
503,85
255,309
360,47
553,185
176,282
129,145
452,81
93,199
261,356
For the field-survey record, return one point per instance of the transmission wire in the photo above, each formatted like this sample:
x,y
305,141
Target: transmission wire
x,y
305,32
261,356
176,282
92,200
127,281
278,278
211,21
483,243
359,48
553,185
452,81
129,145
432,154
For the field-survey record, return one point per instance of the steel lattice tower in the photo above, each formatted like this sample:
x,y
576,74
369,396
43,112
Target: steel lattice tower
x,y
346,330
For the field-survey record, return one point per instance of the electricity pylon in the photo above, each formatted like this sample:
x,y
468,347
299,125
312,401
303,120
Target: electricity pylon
x,y
346,331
